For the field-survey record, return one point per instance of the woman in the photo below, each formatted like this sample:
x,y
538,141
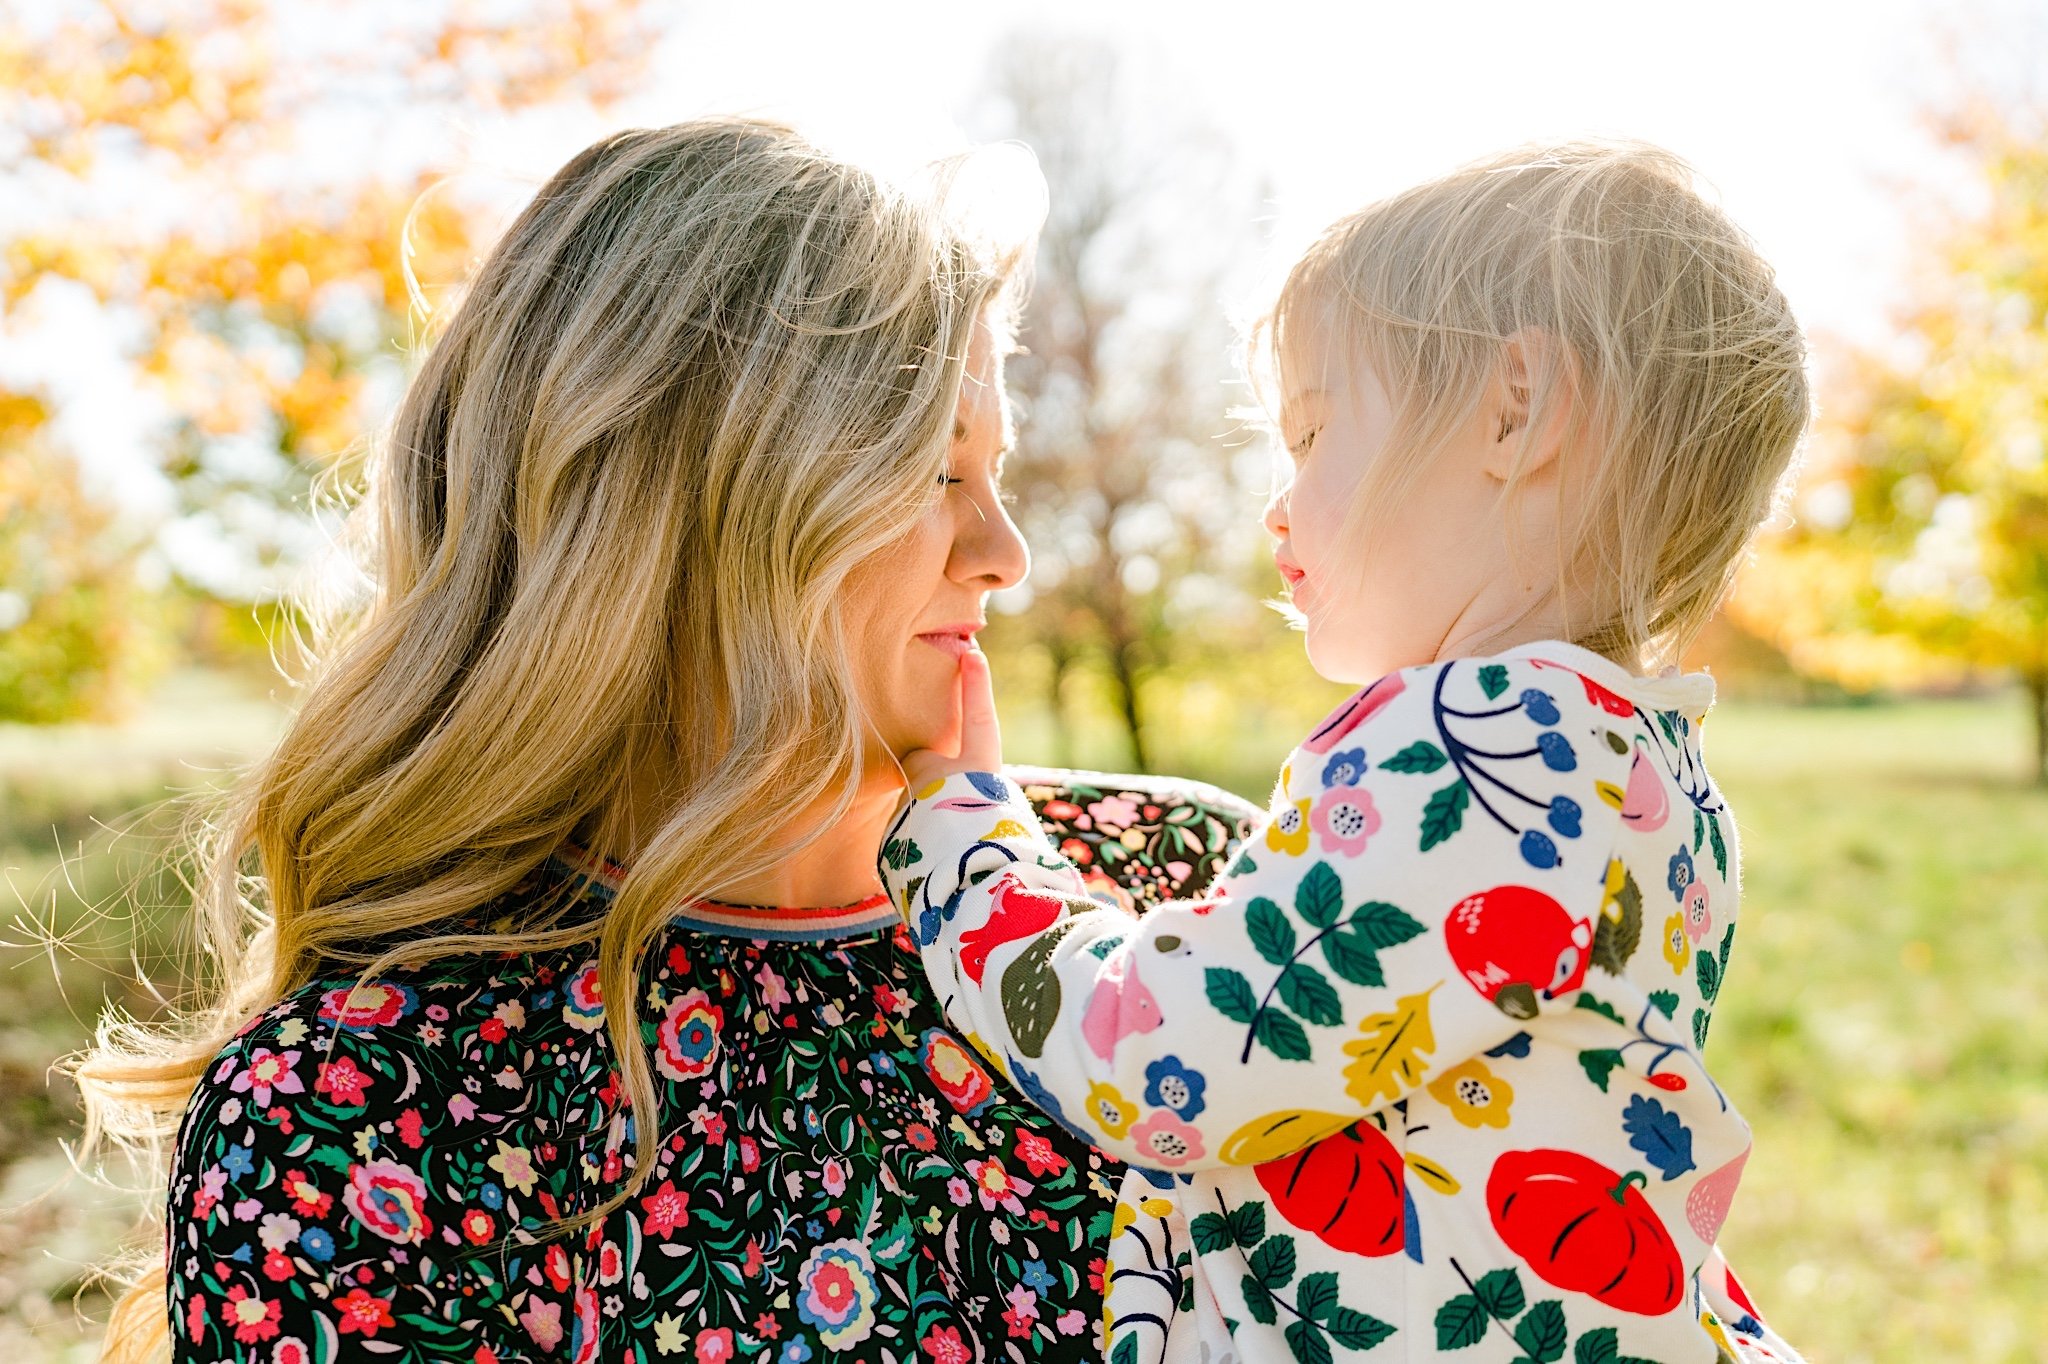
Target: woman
x,y
559,1015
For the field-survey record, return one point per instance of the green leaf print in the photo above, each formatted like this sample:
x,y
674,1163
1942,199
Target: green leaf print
x,y
1460,1322
1445,814
1356,1330
1699,829
1352,957
1270,931
1420,756
1248,1224
1273,1262
1666,1002
1316,1298
1230,994
1542,1333
1500,1293
1126,1351
1493,680
1598,1065
1211,1231
1281,1035
1707,968
1305,1340
1603,1008
1383,925
1319,896
1304,990
1597,1346
1664,723
1259,1302
899,853
1700,1019
1720,848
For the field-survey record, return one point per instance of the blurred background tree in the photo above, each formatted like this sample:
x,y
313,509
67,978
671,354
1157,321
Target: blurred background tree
x,y
176,165
1921,546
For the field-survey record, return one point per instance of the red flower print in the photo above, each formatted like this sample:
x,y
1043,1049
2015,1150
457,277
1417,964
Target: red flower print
x,y
1038,1154
714,1347
277,1266
667,1208
920,1136
493,1030
478,1226
957,1074
944,1345
307,1200
363,1313
252,1317
409,1129
342,1082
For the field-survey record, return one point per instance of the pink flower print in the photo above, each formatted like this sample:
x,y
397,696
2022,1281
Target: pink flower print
x,y
206,1198
997,1186
390,1200
957,1189
1346,818
543,1322
714,1346
1113,813
461,1107
774,993
1699,920
1119,1006
268,1070
1165,1140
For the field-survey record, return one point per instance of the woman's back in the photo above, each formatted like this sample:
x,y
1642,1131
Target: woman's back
x,y
841,1171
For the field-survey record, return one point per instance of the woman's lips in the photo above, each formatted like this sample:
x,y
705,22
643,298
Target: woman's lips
x,y
952,643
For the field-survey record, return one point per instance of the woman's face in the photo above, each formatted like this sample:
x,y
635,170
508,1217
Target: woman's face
x,y
911,610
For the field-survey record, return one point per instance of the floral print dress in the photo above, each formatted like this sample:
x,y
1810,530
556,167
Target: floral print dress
x,y
842,1178
1421,1075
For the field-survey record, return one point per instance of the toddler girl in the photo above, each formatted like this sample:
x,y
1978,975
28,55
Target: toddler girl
x,y
1422,1074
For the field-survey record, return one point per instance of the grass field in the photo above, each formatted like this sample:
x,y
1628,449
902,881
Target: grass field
x,y
1884,1026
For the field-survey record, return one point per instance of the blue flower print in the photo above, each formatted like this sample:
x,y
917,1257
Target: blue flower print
x,y
237,1163
795,1351
1038,1278
491,1196
1557,752
1170,1084
1681,873
1344,769
318,1244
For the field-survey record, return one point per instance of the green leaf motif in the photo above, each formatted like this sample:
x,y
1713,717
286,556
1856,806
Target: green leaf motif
x,y
1270,931
899,853
1604,1009
1248,1224
1720,848
1493,680
1542,1333
1699,828
1598,1065
1707,968
1700,1019
1445,813
1211,1232
1306,1342
1319,896
1383,925
1500,1293
1230,994
1258,1301
1353,958
1420,756
1126,1351
1316,1296
1273,1262
1280,1034
1666,1002
1460,1322
1304,990
1356,1330
1598,1346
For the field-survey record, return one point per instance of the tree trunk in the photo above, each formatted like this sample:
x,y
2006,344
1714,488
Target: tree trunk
x,y
1056,698
2037,707
1123,666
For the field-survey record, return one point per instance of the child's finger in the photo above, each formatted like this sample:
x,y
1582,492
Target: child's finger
x,y
981,739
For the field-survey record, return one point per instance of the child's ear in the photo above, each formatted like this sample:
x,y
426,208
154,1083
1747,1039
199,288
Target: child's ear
x,y
1529,362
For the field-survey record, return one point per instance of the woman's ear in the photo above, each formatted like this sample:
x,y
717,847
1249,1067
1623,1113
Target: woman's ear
x,y
1530,364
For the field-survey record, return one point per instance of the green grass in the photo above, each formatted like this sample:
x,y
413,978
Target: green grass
x,y
1883,1026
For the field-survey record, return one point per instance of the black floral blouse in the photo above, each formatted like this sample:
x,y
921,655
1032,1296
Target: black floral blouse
x,y
842,1178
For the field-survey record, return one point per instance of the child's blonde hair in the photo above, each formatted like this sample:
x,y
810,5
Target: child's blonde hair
x,y
1683,366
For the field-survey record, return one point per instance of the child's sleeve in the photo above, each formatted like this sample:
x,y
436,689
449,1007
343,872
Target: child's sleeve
x,y
1426,886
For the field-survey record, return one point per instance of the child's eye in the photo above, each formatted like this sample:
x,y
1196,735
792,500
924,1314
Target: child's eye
x,y
1301,447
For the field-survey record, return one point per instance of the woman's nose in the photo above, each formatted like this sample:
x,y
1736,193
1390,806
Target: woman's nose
x,y
989,550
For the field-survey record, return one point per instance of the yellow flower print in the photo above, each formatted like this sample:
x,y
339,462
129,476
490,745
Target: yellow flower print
x,y
1474,1094
1677,950
1112,1112
1289,832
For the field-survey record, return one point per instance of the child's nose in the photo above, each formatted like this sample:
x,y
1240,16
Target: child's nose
x,y
1276,514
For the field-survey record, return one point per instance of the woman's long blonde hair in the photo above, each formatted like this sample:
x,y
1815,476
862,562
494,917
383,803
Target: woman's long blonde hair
x,y
1682,364
706,372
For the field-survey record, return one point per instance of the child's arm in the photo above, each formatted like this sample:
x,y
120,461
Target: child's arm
x,y
1429,883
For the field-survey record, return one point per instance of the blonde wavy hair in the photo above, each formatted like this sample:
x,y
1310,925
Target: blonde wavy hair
x,y
1680,382
704,374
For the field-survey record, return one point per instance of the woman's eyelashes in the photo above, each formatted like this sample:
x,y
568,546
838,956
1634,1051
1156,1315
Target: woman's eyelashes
x,y
1003,495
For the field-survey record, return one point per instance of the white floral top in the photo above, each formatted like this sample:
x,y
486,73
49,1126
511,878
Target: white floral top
x,y
1421,1075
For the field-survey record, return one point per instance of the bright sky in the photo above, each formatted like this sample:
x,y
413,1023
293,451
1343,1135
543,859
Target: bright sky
x,y
1801,112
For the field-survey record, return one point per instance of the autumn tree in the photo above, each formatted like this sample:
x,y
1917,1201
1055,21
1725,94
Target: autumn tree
x,y
1923,527
248,193
1129,479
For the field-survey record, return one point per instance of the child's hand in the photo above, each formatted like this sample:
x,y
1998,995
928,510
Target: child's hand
x,y
981,740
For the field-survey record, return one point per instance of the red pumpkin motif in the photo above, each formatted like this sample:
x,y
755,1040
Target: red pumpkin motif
x,y
1584,1228
1345,1190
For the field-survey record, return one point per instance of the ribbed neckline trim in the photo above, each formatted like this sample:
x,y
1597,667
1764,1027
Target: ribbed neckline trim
x,y
1691,694
778,922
